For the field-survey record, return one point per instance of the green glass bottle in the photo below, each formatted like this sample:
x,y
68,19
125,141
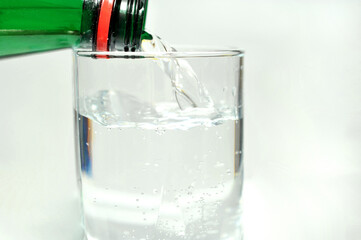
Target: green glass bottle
x,y
40,25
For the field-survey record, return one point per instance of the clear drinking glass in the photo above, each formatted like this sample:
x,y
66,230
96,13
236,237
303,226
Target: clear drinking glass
x,y
160,144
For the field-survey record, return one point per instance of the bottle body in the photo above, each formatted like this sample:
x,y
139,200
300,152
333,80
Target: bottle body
x,y
42,25
39,25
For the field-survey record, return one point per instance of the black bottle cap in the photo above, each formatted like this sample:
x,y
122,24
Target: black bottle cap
x,y
127,25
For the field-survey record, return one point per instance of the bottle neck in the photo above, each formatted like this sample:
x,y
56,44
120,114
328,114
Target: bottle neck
x,y
113,25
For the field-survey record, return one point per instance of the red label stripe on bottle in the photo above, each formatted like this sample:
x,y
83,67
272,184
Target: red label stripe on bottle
x,y
103,26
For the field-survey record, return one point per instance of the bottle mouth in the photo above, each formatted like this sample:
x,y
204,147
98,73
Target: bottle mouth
x,y
113,25
128,22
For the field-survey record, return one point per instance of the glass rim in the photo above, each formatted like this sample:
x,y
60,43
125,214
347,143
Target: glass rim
x,y
182,52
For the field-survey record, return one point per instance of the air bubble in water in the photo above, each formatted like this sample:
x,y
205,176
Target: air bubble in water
x,y
234,90
160,131
219,164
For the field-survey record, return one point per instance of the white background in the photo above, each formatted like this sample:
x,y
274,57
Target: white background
x,y
302,119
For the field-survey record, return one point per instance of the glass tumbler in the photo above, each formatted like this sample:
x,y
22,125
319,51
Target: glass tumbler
x,y
159,141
